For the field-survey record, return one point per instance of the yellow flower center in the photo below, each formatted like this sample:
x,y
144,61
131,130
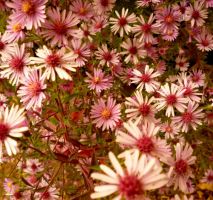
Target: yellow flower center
x,y
26,6
17,27
96,80
82,11
106,114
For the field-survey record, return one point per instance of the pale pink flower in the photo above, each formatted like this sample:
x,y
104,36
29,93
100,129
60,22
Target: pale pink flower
x,y
121,24
145,29
99,22
102,6
133,50
138,175
5,45
32,89
171,96
182,8
180,170
170,129
208,177
139,107
204,41
170,35
106,114
144,138
82,9
81,50
33,166
145,3
181,63
31,13
3,100
9,186
106,56
146,79
208,3
197,77
58,62
12,124
196,13
126,76
98,81
60,26
14,64
191,117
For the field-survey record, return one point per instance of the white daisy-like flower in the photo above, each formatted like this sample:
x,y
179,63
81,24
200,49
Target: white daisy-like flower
x,y
12,124
138,175
58,62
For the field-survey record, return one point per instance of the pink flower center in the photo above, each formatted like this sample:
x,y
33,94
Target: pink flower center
x,y
60,28
53,60
2,45
146,28
107,56
169,19
106,113
171,99
46,195
133,50
17,64
181,166
104,3
144,109
28,7
145,144
187,117
195,78
145,78
122,21
130,186
188,91
196,14
4,132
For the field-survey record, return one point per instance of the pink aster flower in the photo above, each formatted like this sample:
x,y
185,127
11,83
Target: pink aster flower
x,y
208,177
198,78
98,81
204,41
170,129
138,175
106,114
99,22
121,24
33,166
31,90
191,117
139,107
171,97
208,3
102,6
60,26
182,8
58,62
82,9
145,3
144,138
126,76
146,79
12,124
146,29
170,35
5,45
81,50
14,65
133,50
196,14
180,170
107,57
31,13
3,100
181,63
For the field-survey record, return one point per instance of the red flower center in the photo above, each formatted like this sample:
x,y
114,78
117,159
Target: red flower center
x,y
78,51
46,195
188,91
187,117
144,109
146,28
145,78
28,7
210,177
17,64
60,28
171,99
107,56
104,3
2,45
169,129
35,88
196,14
53,60
169,19
181,64
4,132
195,78
130,186
34,167
122,21
133,50
18,195
145,144
205,43
181,166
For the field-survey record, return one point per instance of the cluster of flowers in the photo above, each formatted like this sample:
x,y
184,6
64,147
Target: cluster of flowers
x,y
81,79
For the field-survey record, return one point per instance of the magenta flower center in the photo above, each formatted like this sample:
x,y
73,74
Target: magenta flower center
x,y
144,109
106,113
28,7
122,21
104,3
196,14
145,144
46,195
171,99
2,45
187,117
4,132
130,186
53,60
188,91
133,50
145,78
146,28
107,56
60,28
17,64
181,166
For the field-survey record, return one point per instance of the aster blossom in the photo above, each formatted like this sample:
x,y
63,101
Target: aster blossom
x,y
31,13
106,114
208,177
12,124
103,6
171,129
131,181
58,62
